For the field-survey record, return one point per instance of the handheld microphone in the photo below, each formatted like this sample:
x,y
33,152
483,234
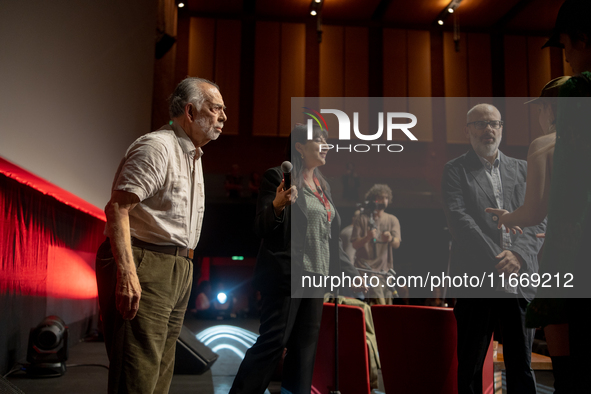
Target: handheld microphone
x,y
286,168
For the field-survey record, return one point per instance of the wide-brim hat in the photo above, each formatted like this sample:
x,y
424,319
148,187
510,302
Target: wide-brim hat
x,y
550,90
572,16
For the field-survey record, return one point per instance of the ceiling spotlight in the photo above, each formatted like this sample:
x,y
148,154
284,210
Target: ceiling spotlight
x,y
313,12
447,11
317,1
181,5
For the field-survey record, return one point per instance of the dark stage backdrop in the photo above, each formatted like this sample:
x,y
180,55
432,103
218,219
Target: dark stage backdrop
x,y
48,239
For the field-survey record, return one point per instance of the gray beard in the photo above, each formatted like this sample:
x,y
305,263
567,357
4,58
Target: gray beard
x,y
486,150
213,134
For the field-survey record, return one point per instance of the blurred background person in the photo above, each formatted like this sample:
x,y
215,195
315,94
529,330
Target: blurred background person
x,y
375,235
350,183
253,184
233,184
202,302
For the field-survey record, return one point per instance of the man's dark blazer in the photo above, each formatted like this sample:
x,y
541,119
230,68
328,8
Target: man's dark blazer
x,y
467,192
282,248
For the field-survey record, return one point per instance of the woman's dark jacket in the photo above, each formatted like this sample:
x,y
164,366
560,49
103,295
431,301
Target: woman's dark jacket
x,y
282,247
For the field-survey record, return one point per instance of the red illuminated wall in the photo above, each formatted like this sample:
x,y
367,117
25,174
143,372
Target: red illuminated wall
x,y
48,239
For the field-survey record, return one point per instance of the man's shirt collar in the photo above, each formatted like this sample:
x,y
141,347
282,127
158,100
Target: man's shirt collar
x,y
185,142
487,164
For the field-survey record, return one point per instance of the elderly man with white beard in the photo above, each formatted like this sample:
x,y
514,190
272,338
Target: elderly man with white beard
x,y
471,182
144,269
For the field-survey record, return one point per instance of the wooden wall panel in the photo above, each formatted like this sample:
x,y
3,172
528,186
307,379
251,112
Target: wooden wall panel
x,y
356,61
455,65
516,79
227,69
538,65
419,83
332,56
479,65
202,41
516,130
395,57
419,63
266,79
332,72
455,77
293,71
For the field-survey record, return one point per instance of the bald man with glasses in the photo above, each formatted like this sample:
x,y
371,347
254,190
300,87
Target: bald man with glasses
x,y
471,182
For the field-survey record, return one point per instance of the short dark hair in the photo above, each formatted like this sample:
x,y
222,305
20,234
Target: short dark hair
x,y
378,190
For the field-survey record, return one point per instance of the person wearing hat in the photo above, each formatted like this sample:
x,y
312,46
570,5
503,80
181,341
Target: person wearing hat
x,y
569,206
568,236
539,164
534,210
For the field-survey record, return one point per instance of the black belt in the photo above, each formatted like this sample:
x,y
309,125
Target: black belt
x,y
166,249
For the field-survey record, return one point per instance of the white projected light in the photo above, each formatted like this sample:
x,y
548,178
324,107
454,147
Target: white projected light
x,y
235,339
222,298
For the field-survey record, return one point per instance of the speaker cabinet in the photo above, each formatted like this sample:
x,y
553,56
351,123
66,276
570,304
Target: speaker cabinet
x,y
192,357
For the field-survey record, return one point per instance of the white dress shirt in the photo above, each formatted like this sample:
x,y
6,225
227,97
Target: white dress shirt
x,y
163,169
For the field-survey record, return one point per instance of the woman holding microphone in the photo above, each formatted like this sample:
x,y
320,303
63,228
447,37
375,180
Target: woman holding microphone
x,y
300,229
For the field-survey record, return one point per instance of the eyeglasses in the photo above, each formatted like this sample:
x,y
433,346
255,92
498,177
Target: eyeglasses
x,y
482,124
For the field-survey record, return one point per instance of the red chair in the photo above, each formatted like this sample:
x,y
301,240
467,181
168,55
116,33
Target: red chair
x,y
488,374
417,346
353,356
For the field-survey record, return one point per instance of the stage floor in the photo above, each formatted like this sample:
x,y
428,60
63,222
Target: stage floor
x,y
218,380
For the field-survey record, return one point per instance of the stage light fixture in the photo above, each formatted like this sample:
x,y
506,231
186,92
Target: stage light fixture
x,y
48,348
447,11
316,12
222,298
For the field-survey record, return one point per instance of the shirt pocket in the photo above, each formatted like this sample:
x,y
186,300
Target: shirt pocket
x,y
180,196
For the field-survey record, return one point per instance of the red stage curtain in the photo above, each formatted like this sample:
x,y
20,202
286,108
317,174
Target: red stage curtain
x,y
47,238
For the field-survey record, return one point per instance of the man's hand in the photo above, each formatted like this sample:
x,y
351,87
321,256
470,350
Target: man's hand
x,y
128,290
284,197
128,294
510,262
387,237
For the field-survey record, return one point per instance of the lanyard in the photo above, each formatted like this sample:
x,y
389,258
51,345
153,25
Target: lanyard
x,y
323,199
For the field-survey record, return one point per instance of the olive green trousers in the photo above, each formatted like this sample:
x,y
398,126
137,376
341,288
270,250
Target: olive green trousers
x,y
141,351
